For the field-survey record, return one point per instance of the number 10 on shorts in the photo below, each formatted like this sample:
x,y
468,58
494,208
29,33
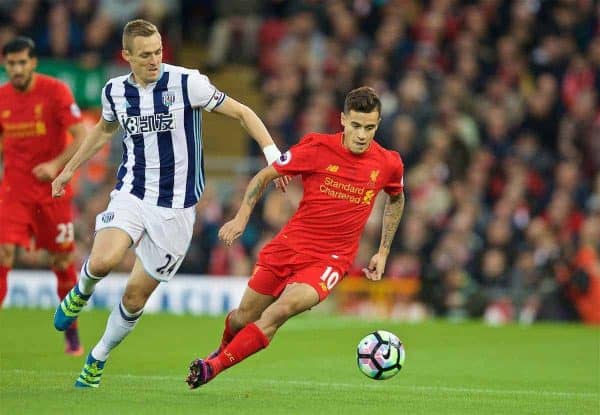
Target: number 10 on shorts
x,y
330,277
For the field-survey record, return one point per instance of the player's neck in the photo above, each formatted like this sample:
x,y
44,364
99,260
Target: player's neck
x,y
138,81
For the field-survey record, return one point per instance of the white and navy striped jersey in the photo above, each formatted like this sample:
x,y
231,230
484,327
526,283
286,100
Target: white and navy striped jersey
x,y
162,148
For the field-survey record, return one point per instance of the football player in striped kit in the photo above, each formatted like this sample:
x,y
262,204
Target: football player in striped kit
x,y
159,181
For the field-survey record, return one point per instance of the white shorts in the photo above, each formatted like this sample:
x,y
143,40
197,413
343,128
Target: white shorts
x,y
161,235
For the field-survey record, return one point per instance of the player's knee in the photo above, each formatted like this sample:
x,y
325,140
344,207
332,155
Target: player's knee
x,y
277,314
133,301
244,316
7,255
101,265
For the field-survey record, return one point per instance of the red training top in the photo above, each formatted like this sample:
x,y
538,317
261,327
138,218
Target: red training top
x,y
33,125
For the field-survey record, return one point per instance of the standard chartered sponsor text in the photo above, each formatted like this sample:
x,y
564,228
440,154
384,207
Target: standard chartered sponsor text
x,y
340,190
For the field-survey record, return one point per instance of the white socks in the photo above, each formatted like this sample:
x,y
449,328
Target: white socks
x,y
120,323
87,281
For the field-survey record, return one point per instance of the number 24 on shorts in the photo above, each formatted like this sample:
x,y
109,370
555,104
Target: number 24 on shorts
x,y
169,265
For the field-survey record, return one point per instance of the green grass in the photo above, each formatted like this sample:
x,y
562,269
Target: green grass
x,y
308,369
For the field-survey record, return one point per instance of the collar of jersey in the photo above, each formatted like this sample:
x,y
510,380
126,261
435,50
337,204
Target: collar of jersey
x,y
132,83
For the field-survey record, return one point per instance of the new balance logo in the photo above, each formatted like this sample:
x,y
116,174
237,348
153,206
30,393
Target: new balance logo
x,y
333,168
140,124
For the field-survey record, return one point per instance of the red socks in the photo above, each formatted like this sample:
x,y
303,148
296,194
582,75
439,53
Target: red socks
x,y
3,283
246,342
65,280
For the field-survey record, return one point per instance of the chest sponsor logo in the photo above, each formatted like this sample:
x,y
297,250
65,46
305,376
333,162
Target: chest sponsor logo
x,y
26,129
5,113
353,193
154,123
168,98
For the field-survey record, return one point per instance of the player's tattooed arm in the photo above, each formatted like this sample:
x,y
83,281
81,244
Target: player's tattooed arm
x,y
235,227
392,213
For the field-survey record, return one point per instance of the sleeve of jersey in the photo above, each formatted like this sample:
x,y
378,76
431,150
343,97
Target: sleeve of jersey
x,y
300,158
202,93
67,110
109,112
395,186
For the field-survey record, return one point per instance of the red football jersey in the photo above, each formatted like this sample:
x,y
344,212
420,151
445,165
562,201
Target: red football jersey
x,y
339,190
33,125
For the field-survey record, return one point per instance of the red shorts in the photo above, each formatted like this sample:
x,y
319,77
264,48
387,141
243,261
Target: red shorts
x,y
50,223
278,265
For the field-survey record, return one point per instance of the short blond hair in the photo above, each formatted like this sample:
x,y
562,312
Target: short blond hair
x,y
138,27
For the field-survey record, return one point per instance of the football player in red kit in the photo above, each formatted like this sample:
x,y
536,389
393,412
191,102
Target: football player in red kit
x,y
36,111
341,174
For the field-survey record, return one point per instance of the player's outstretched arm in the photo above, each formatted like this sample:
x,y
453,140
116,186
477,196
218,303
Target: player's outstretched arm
x,y
48,170
256,129
392,213
235,227
100,134
252,124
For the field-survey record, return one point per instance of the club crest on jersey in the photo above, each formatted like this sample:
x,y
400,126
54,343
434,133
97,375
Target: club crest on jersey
x,y
108,216
284,159
374,174
168,98
153,123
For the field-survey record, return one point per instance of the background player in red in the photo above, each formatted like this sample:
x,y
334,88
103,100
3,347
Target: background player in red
x,y
36,111
341,174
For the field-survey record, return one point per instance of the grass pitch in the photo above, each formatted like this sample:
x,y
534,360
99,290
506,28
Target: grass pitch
x,y
309,368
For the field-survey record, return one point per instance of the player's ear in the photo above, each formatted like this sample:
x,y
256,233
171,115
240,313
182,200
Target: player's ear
x,y
343,119
125,54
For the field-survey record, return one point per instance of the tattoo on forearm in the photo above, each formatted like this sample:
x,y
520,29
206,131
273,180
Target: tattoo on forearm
x,y
392,213
255,191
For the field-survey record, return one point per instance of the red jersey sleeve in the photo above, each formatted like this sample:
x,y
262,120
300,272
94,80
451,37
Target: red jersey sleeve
x,y
395,184
67,111
300,158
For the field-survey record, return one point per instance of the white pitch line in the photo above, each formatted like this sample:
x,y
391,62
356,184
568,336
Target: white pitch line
x,y
339,385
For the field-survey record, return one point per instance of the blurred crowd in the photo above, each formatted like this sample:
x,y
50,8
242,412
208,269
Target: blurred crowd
x,y
493,106
87,31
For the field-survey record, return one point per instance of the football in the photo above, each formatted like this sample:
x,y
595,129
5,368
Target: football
x,y
380,355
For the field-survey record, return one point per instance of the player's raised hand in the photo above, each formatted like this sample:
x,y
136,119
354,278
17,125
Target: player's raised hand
x,y
58,184
376,267
232,230
46,171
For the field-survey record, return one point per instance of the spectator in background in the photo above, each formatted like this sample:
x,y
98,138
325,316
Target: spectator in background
x,y
237,22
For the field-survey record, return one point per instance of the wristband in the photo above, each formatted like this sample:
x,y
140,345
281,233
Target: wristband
x,y
271,153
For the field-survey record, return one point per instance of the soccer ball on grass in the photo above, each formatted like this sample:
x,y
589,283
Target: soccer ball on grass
x,y
380,355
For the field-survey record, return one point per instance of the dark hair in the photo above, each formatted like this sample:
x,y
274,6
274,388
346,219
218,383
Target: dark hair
x,y
363,99
19,44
